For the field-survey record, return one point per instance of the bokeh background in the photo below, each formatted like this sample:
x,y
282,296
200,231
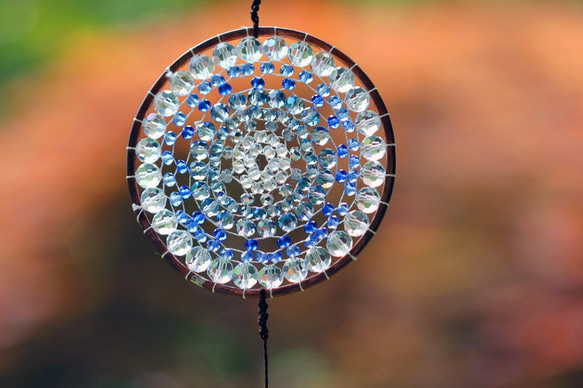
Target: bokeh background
x,y
475,278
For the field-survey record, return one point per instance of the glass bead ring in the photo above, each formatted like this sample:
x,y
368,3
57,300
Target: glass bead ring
x,y
262,162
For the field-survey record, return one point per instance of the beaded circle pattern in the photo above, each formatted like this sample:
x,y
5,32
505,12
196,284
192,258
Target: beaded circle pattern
x,y
261,163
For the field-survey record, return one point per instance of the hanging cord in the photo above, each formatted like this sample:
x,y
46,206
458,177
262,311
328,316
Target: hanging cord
x,y
263,331
255,17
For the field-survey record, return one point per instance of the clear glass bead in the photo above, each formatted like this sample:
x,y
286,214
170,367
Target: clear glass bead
x,y
164,222
288,222
294,271
301,54
166,103
148,175
304,211
368,200
199,150
275,48
310,116
154,126
250,49
198,259
357,99
270,276
245,228
356,223
341,79
266,228
317,259
373,174
220,271
201,67
153,200
316,195
367,122
220,112
245,275
148,150
179,242
320,136
327,158
181,82
225,55
323,64
339,243
206,131
373,148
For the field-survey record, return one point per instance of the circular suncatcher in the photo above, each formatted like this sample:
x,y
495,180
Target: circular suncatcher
x,y
261,163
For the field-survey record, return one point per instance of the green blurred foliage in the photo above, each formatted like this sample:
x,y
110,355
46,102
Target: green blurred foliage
x,y
33,32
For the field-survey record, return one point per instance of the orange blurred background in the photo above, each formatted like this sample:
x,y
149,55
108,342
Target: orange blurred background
x,y
475,278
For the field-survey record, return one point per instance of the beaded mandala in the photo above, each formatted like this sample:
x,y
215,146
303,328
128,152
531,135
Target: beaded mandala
x,y
261,163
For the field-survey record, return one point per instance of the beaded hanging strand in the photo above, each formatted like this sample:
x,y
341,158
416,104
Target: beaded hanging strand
x,y
255,17
263,331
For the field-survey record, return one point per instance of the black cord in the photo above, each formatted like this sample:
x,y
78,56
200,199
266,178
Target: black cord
x,y
263,331
255,17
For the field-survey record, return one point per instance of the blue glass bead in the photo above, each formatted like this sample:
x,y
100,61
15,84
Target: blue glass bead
x,y
267,68
182,217
247,69
306,77
317,100
251,245
311,241
181,166
198,217
335,102
275,257
220,234
187,132
258,83
175,199
342,209
323,90
246,256
169,179
234,71
200,235
343,114
354,161
191,226
179,119
353,144
292,251
350,189
185,192
170,138
167,158
262,257
348,126
286,70
321,234
217,80
289,84
342,151
333,122
204,105
227,254
204,87
333,222
225,89
327,209
310,227
341,176
192,100
352,175
283,241
213,245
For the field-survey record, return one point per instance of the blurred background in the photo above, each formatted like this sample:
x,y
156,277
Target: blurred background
x,y
474,280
